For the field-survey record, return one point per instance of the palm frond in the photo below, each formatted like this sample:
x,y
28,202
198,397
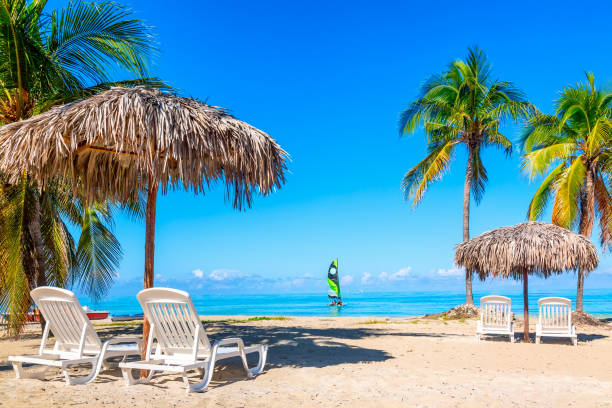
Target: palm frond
x,y
540,198
98,255
85,38
538,161
14,283
58,241
493,138
479,176
603,202
431,168
568,188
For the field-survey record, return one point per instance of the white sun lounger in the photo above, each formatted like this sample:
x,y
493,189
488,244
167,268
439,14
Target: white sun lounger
x,y
76,341
182,343
555,319
495,317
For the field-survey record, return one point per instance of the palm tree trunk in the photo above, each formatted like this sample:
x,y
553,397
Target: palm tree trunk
x,y
37,249
587,218
469,300
149,274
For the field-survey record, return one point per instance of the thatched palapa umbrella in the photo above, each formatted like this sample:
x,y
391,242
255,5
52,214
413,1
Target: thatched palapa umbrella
x,y
530,248
126,140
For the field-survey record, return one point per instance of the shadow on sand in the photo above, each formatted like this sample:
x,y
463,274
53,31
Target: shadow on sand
x,y
290,345
293,346
518,338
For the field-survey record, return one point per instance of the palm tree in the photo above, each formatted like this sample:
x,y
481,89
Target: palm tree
x,y
461,106
48,59
575,147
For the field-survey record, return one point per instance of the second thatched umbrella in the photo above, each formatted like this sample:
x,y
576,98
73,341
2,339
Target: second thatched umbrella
x,y
530,248
127,140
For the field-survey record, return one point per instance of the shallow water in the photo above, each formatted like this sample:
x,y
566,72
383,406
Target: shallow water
x,y
596,302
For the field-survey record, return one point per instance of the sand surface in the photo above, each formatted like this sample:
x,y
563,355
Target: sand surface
x,y
352,362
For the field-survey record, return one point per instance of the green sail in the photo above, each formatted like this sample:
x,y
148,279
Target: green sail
x,y
333,281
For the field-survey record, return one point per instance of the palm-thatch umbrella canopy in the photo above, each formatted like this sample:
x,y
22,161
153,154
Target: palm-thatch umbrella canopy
x,y
530,248
126,140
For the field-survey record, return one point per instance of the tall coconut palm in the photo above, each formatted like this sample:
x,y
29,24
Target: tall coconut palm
x,y
462,106
574,146
47,58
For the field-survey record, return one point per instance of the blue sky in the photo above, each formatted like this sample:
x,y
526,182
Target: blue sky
x,y
327,80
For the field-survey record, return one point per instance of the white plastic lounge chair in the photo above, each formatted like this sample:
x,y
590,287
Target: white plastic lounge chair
x,y
555,319
182,343
76,341
495,317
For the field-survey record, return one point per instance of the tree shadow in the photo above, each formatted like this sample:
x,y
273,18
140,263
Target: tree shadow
x,y
291,345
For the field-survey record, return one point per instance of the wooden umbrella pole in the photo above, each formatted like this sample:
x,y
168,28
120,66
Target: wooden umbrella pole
x,y
525,306
149,273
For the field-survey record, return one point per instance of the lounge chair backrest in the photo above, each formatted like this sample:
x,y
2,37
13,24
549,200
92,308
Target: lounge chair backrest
x,y
555,313
495,311
174,322
66,319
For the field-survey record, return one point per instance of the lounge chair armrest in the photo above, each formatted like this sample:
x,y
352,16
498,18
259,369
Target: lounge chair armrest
x,y
230,340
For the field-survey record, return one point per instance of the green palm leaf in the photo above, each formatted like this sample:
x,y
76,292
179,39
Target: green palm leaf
x,y
540,198
568,185
98,253
430,169
85,38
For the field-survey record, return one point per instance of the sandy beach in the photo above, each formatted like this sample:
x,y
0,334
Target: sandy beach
x,y
349,362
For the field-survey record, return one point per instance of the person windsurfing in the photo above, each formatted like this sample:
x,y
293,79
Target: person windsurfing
x,y
333,281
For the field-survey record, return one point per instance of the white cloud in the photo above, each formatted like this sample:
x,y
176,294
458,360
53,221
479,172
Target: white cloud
x,y
401,274
198,273
307,275
347,280
224,274
383,276
365,279
450,272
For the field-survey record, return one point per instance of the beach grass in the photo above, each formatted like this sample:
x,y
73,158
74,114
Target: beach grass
x,y
259,318
117,324
374,322
387,321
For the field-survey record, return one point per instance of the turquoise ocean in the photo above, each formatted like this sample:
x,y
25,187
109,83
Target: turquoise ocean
x,y
596,301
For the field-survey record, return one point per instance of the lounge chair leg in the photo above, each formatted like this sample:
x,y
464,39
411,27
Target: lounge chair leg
x,y
575,341
537,339
95,369
263,353
512,338
478,338
131,380
206,373
128,377
20,373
